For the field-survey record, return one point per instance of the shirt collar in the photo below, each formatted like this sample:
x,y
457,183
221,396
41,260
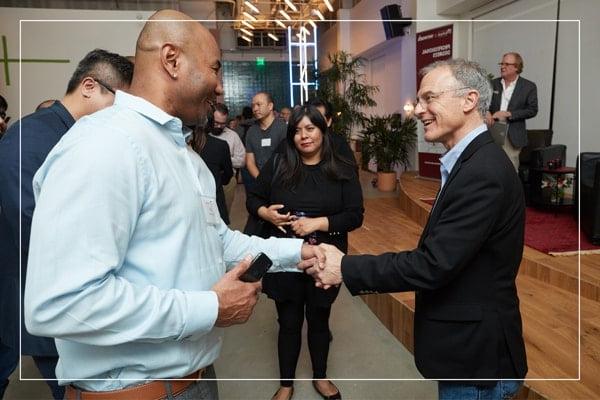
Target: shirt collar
x,y
449,159
142,106
513,83
64,114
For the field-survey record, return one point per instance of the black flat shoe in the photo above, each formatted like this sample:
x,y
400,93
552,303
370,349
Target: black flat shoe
x,y
335,396
289,397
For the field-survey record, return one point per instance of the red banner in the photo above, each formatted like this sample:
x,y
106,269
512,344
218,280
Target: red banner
x,y
433,45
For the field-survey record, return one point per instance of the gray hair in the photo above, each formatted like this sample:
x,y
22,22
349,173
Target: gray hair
x,y
470,75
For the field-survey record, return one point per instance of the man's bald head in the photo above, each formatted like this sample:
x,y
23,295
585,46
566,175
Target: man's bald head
x,y
177,63
169,26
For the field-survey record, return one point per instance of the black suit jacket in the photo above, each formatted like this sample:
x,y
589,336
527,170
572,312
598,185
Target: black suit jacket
x,y
467,319
523,105
217,157
40,132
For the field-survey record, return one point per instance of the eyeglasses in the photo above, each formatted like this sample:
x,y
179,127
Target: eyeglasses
x,y
105,86
503,64
429,97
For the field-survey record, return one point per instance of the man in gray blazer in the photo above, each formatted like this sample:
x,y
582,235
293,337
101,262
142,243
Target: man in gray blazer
x,y
514,100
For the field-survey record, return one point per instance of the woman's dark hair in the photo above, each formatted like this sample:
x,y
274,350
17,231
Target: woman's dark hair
x,y
198,138
290,168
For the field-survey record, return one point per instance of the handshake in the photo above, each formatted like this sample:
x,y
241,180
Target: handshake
x,y
324,265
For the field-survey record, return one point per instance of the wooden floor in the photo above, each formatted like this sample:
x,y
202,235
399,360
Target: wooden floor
x,y
548,290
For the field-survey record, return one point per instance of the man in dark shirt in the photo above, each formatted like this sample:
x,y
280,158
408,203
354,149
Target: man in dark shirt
x,y
265,135
91,88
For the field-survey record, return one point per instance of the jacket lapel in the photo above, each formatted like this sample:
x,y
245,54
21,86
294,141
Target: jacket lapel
x,y
515,94
475,145
496,95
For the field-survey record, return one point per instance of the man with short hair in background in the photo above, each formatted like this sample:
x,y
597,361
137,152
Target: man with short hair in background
x,y
285,114
514,100
91,88
220,130
265,135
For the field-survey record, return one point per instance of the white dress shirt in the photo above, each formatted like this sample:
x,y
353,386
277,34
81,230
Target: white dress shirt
x,y
507,92
236,147
125,248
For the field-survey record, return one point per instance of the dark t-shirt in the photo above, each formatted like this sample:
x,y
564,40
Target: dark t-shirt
x,y
262,143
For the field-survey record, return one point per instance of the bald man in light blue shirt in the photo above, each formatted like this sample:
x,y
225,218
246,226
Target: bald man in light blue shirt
x,y
129,257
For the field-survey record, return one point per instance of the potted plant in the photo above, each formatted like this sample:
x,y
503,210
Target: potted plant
x,y
389,141
344,86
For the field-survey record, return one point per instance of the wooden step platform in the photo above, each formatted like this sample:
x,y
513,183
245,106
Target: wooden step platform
x,y
549,305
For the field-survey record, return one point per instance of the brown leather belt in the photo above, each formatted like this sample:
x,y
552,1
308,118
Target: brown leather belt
x,y
154,390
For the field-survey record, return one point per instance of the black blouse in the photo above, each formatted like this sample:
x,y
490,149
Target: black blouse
x,y
317,195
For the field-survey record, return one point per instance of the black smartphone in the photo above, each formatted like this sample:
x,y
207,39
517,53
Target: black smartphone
x,y
258,268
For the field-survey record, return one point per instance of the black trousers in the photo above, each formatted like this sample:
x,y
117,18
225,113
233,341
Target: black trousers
x,y
291,318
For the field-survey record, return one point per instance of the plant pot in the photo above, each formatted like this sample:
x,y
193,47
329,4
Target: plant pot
x,y
386,181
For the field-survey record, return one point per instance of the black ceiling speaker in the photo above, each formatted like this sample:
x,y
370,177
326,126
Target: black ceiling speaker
x,y
393,22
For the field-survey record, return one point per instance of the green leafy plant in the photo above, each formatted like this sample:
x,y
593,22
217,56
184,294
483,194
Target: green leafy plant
x,y
344,86
389,140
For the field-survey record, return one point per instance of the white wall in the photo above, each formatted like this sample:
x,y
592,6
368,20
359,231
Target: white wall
x,y
390,63
59,40
535,41
328,44
486,41
494,38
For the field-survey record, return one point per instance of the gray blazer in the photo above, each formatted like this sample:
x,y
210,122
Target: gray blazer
x,y
523,105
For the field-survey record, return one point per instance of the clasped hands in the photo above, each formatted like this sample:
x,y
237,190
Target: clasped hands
x,y
237,299
300,226
325,266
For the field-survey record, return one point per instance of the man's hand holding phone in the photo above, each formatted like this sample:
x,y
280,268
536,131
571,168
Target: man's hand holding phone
x,y
236,298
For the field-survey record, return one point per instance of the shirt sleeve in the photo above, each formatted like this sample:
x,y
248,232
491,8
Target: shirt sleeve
x,y
285,253
9,182
249,142
90,192
238,158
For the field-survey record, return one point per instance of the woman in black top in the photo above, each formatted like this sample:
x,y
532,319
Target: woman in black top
x,y
306,191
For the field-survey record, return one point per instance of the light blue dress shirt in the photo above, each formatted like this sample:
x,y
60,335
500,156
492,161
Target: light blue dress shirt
x,y
123,252
451,157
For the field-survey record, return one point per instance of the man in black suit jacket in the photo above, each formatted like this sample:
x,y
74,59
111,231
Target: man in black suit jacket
x,y
90,89
467,322
514,100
